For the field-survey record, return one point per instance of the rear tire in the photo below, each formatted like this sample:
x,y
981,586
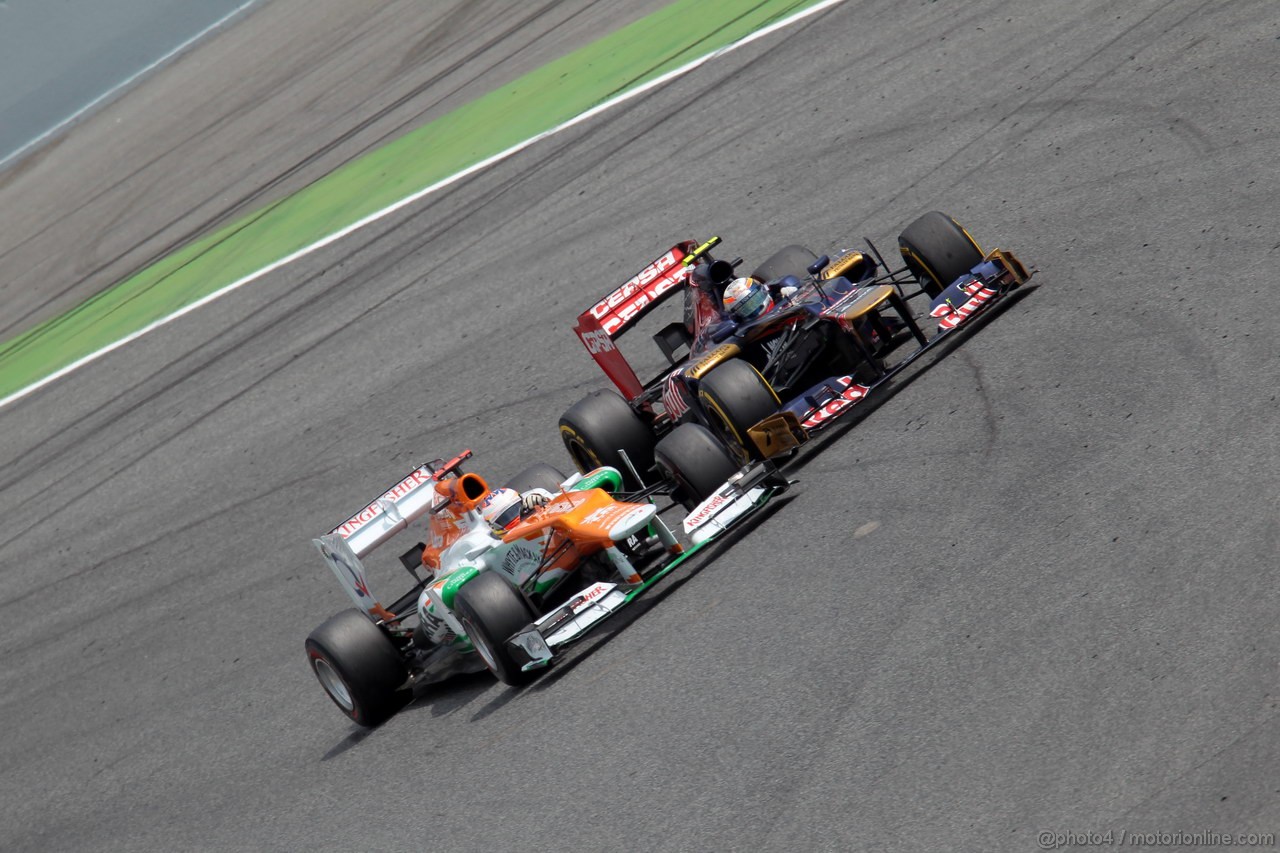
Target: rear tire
x,y
359,667
789,260
491,610
540,475
938,251
695,461
596,427
735,397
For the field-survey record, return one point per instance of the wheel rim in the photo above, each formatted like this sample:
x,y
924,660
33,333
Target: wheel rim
x,y
333,684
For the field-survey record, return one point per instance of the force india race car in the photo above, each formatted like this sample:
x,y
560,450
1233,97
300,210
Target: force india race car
x,y
505,593
827,333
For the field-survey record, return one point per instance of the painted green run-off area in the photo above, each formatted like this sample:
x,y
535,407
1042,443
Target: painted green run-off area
x,y
537,102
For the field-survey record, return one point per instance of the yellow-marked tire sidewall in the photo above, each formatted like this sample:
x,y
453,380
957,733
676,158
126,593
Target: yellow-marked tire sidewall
x,y
741,445
575,445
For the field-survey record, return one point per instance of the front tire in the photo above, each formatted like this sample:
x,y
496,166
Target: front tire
x,y
359,667
789,260
695,461
735,397
598,426
491,610
938,251
539,475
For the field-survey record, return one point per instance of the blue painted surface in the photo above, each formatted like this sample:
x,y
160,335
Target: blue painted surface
x,y
58,56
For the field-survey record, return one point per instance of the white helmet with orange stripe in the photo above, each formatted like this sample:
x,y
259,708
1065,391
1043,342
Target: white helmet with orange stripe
x,y
746,299
502,509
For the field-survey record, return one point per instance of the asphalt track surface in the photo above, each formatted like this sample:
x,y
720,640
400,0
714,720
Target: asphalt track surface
x,y
1031,592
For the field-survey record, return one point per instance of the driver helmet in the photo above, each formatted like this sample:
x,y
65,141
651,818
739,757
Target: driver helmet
x,y
501,509
746,299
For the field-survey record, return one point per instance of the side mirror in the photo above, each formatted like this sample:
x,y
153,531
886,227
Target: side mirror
x,y
819,265
787,281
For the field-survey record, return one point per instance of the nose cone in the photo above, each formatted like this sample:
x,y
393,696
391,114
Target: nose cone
x,y
632,522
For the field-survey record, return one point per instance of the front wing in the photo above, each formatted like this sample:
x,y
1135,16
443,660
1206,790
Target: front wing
x,y
955,309
739,497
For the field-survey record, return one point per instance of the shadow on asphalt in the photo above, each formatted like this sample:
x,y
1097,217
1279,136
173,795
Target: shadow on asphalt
x,y
438,699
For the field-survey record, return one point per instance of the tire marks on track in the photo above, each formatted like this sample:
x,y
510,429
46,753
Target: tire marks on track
x,y
963,176
420,99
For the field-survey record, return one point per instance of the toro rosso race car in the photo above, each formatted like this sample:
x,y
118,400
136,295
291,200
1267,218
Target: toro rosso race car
x,y
502,581
761,362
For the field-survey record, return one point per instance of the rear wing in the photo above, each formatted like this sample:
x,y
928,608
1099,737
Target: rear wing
x,y
603,322
343,546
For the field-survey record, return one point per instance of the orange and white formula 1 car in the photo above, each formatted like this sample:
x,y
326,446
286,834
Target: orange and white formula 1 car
x,y
506,577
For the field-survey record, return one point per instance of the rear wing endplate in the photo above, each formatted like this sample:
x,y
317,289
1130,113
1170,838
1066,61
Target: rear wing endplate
x,y
343,546
339,557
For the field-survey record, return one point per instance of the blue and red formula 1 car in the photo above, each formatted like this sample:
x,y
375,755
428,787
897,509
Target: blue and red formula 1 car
x,y
762,362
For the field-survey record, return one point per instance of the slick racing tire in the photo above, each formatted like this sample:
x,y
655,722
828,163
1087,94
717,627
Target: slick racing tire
x,y
540,475
491,610
789,260
695,461
938,251
735,397
596,427
359,667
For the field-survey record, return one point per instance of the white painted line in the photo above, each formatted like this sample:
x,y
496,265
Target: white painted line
x,y
423,193
105,96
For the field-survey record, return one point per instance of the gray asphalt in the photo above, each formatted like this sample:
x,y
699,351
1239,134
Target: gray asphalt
x,y
1032,592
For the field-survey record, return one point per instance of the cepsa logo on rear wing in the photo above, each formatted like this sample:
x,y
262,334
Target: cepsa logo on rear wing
x,y
639,294
608,318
